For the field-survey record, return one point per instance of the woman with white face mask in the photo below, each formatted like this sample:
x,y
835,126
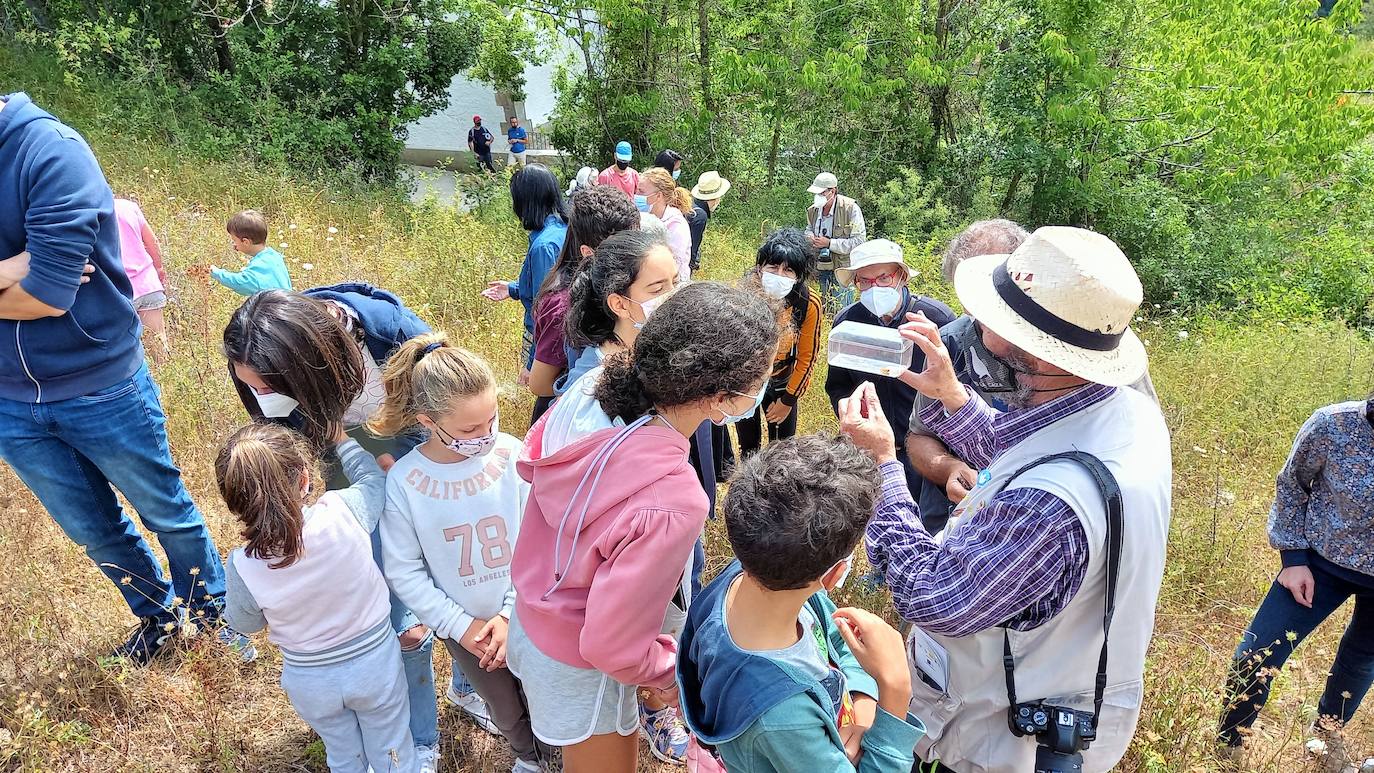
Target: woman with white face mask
x,y
878,272
783,267
313,361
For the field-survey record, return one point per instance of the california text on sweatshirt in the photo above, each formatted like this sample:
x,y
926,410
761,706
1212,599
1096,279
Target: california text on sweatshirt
x,y
448,534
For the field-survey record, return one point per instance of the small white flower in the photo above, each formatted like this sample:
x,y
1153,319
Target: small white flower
x,y
292,226
1139,319
1182,334
329,238
332,229
1199,450
1156,305
1147,342
283,245
308,266
1316,746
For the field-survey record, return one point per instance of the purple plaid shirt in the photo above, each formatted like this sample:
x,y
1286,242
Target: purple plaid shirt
x,y
1016,562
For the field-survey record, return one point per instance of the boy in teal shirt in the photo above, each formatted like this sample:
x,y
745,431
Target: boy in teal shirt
x,y
266,269
772,676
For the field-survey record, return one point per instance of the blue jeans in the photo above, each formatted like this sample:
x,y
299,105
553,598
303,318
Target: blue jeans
x,y
72,454
1264,648
834,296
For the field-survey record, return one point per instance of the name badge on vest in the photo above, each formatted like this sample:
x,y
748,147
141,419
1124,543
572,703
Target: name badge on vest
x,y
931,658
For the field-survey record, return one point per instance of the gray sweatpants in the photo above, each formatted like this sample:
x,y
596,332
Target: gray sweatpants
x,y
505,700
360,708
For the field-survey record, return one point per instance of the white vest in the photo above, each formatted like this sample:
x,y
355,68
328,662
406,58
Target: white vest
x,y
1057,662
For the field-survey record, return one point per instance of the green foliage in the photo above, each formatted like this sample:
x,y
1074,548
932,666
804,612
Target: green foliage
x,y
325,86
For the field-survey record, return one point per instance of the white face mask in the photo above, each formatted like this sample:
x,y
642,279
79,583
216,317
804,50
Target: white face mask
x,y
848,566
776,285
275,405
819,200
882,301
648,307
471,446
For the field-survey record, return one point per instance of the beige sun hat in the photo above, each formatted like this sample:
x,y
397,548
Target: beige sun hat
x,y
710,186
1066,296
872,253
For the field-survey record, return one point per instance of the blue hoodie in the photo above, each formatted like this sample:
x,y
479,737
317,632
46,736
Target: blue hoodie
x,y
384,319
55,203
765,716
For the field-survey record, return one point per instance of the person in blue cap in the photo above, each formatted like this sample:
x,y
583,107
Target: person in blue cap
x,y
621,174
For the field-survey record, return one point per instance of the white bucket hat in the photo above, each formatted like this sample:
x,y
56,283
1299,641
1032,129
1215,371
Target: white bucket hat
x,y
1066,296
710,186
872,253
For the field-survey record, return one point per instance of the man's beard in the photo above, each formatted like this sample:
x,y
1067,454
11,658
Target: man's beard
x,y
1023,395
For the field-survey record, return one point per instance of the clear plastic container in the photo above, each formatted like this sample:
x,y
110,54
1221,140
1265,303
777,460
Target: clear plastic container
x,y
869,348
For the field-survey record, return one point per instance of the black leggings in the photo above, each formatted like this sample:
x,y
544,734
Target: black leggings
x,y
750,430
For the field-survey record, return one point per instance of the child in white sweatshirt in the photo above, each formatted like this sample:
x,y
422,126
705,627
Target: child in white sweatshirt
x,y
307,572
453,509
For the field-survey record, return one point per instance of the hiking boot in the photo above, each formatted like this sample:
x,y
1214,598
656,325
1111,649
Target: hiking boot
x,y
149,639
666,733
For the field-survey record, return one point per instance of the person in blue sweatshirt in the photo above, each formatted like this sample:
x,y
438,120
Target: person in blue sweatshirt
x,y
266,268
79,413
771,676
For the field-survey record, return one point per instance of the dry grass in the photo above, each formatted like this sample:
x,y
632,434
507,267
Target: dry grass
x,y
1234,398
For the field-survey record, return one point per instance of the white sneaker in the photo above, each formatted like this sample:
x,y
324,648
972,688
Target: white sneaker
x,y
472,705
522,766
427,758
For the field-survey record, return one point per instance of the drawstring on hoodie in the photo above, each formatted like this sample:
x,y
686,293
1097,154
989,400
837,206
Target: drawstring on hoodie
x,y
598,465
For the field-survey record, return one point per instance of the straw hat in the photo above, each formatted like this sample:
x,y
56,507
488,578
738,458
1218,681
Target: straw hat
x,y
1066,296
873,252
710,186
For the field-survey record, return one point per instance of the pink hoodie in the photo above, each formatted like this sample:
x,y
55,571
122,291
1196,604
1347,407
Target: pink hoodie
x,y
595,596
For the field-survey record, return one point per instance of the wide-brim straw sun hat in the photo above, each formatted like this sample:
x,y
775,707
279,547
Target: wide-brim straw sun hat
x,y
874,252
1066,296
710,186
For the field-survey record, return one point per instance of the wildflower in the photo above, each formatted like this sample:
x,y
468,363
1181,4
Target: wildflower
x,y
1182,335
126,580
283,245
308,266
169,627
1147,342
195,570
332,229
292,226
329,238
1291,636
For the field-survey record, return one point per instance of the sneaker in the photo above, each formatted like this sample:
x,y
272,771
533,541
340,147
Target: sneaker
x,y
522,766
149,639
235,642
666,732
474,707
427,759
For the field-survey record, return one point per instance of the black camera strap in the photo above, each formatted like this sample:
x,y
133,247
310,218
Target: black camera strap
x,y
1111,493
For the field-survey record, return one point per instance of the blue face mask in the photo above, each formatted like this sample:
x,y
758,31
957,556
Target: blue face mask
x,y
727,418
642,203
677,173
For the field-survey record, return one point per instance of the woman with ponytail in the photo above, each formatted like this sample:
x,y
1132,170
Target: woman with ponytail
x,y
453,508
596,213
601,567
670,204
628,276
307,573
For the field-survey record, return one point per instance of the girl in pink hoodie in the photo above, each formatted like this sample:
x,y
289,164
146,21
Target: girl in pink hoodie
x,y
613,515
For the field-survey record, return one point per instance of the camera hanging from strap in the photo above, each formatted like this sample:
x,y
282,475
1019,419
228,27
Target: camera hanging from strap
x,y
1030,724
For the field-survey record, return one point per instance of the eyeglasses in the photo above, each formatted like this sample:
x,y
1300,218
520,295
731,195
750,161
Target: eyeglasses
x,y
891,279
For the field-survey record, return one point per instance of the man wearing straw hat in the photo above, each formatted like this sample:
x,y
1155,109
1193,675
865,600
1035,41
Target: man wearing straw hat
x,y
706,196
1015,593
